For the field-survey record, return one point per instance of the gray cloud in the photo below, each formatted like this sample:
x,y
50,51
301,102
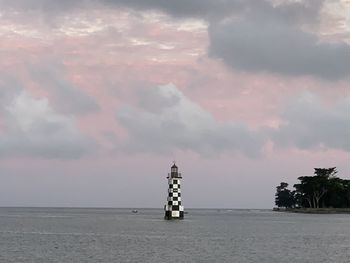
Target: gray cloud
x,y
66,97
180,8
309,124
44,6
183,125
258,44
291,11
206,9
9,87
31,128
155,100
183,8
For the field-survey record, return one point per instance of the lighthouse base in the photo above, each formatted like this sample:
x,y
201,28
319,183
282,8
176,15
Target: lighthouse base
x,y
173,212
173,215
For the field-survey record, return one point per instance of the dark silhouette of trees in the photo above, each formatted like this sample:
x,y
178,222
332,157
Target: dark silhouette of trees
x,y
323,189
338,194
284,197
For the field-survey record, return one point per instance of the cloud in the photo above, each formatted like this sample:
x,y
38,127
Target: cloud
x,y
215,10
204,9
180,8
174,122
248,35
44,6
9,87
66,97
310,124
268,44
33,129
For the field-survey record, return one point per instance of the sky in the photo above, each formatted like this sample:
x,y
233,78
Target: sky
x,y
99,97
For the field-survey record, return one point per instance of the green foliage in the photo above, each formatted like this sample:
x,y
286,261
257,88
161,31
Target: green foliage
x,y
321,190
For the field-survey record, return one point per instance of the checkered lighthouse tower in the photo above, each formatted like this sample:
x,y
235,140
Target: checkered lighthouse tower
x,y
174,209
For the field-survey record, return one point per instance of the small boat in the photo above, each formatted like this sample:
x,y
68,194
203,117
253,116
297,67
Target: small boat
x,y
134,211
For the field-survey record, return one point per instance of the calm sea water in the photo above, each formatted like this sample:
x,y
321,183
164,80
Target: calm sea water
x,y
117,235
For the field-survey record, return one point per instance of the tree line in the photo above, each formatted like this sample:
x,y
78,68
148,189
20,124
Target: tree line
x,y
322,190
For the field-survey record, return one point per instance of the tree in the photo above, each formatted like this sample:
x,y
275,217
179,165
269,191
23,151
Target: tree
x,y
338,194
305,191
322,182
284,197
324,189
313,189
326,172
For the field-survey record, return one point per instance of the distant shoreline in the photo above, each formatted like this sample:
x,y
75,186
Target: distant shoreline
x,y
314,210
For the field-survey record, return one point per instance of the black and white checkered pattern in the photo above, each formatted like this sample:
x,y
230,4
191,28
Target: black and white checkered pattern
x,y
173,208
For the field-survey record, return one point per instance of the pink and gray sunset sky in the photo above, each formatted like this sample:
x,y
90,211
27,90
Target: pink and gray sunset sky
x,y
98,97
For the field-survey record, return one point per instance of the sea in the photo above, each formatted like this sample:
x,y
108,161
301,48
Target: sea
x,y
205,235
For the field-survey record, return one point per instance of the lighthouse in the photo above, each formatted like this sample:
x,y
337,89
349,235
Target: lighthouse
x,y
173,208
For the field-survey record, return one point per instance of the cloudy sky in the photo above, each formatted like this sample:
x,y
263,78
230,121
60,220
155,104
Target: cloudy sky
x,y
98,97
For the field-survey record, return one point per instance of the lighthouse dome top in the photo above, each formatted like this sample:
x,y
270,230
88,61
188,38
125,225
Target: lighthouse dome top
x,y
174,172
